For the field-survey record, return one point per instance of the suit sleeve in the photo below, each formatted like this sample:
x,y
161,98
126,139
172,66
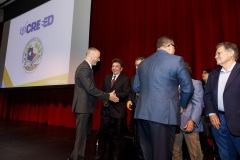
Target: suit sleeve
x,y
85,76
185,82
125,90
197,102
136,83
208,97
131,92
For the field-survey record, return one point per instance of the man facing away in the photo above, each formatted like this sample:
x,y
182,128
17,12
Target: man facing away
x,y
158,109
222,102
84,101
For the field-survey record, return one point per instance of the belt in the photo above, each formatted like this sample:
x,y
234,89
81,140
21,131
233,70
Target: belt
x,y
221,112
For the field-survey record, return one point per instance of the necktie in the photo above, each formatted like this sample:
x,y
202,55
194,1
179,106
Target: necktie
x,y
113,80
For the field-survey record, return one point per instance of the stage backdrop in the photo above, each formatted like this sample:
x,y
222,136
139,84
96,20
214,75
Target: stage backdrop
x,y
127,29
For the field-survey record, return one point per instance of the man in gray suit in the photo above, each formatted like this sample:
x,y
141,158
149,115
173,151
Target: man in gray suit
x,y
84,101
158,109
191,125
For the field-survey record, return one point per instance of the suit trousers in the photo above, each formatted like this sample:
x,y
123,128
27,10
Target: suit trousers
x,y
156,139
114,127
193,145
228,144
83,132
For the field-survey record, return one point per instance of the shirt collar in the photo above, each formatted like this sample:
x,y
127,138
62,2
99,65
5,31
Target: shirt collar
x,y
89,64
230,69
115,75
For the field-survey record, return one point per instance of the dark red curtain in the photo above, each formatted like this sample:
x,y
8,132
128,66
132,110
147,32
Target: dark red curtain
x,y
127,29
43,105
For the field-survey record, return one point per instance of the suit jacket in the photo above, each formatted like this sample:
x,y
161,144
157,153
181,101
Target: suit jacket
x,y
194,108
132,95
85,91
157,80
231,98
122,89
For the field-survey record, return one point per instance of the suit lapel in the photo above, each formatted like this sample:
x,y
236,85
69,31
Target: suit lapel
x,y
117,80
215,84
90,69
233,75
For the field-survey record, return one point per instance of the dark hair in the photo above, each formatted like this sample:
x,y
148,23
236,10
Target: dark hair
x,y
207,70
189,69
140,58
163,40
117,60
229,46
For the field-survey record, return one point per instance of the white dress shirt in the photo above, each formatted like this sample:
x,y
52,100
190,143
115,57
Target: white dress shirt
x,y
223,77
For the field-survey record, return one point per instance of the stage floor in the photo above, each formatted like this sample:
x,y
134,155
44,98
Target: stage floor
x,y
21,140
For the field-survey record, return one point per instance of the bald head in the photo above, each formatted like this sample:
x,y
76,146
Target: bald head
x,y
93,56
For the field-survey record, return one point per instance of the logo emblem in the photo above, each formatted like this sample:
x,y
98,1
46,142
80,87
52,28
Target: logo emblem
x,y
32,55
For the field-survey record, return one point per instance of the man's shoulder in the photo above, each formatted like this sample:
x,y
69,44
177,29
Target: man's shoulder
x,y
215,71
124,76
83,64
196,82
108,76
173,57
237,65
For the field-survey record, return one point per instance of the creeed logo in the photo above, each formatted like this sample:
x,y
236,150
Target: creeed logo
x,y
32,55
36,25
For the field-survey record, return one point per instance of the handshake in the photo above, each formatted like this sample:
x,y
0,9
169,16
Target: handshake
x,y
113,97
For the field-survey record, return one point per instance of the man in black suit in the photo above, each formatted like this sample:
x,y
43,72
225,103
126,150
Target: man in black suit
x,y
131,105
113,115
84,101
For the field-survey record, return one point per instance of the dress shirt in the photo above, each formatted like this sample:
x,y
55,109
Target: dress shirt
x,y
223,77
89,64
116,76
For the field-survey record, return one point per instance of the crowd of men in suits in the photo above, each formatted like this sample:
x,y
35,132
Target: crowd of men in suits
x,y
169,104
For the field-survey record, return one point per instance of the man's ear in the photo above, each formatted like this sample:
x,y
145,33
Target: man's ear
x,y
231,52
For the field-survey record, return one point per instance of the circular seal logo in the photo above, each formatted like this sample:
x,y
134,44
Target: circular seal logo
x,y
32,55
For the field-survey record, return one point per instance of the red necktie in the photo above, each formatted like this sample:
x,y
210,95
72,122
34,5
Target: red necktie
x,y
113,80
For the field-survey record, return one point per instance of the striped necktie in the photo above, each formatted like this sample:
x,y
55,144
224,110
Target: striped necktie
x,y
113,80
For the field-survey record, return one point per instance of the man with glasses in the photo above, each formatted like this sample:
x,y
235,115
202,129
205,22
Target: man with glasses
x,y
222,102
157,80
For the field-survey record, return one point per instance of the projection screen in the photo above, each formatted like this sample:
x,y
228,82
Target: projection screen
x,y
44,46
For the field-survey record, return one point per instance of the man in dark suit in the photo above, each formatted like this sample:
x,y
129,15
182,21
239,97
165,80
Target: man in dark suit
x,y
131,105
222,102
84,101
158,109
113,115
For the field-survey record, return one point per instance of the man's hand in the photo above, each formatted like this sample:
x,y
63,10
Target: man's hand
x,y
129,105
113,97
215,121
189,126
